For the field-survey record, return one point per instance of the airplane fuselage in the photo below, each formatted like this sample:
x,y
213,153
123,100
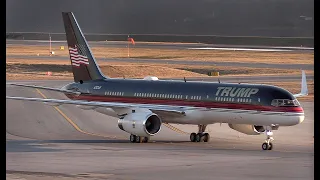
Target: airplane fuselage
x,y
215,102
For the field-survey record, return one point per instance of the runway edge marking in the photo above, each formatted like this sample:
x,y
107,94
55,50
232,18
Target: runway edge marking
x,y
74,125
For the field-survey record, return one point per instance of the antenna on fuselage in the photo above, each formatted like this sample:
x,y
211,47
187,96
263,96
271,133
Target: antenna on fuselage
x,y
184,78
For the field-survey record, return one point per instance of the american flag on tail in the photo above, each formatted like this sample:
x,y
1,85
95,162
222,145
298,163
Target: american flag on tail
x,y
78,56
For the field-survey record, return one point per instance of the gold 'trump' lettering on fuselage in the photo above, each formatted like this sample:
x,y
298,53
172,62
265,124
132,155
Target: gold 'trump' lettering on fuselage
x,y
236,92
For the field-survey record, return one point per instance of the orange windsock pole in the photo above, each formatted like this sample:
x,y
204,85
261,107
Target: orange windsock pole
x,y
130,40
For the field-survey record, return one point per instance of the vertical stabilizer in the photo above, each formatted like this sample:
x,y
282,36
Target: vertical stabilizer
x,y
304,86
84,66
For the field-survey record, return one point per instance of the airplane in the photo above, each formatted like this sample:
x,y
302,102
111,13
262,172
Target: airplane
x,y
142,105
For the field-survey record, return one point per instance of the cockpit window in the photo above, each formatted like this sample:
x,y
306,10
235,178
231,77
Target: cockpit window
x,y
284,102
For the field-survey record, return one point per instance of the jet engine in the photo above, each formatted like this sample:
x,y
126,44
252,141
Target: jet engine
x,y
247,128
140,124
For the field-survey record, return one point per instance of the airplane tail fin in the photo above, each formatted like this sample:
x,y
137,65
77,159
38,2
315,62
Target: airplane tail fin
x,y
84,65
304,87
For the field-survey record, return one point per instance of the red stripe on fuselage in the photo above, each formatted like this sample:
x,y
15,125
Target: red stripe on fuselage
x,y
175,102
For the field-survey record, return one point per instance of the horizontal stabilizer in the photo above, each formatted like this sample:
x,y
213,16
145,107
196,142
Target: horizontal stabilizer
x,y
45,88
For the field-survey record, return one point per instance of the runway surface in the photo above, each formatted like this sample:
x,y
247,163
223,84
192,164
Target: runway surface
x,y
181,62
166,45
67,142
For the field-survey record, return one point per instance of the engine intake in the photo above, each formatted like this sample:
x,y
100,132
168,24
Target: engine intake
x,y
140,124
247,128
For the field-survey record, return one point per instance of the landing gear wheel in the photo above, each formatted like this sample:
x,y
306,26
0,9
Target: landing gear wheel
x,y
133,138
206,137
265,146
193,137
145,139
138,139
198,137
202,138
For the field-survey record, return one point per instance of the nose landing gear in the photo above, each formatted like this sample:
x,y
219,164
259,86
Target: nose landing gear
x,y
200,136
267,145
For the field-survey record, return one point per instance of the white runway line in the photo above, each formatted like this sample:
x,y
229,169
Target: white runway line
x,y
239,49
289,47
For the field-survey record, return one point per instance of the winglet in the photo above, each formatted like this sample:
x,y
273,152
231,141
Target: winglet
x,y
304,87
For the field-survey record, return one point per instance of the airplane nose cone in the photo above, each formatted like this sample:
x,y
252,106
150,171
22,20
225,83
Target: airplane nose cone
x,y
300,119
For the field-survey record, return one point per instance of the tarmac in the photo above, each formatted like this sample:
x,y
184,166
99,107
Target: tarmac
x,y
65,142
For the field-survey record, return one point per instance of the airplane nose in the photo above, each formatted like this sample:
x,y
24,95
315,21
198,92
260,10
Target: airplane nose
x,y
300,119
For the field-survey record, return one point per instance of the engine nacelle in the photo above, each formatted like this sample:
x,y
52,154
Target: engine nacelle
x,y
247,128
140,124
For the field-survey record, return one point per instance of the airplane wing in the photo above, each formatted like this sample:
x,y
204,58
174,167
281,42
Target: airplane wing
x,y
156,108
46,88
304,87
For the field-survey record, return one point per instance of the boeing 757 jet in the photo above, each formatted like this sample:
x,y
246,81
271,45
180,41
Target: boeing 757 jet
x,y
142,105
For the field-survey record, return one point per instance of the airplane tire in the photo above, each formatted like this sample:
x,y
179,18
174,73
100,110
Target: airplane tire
x,y
270,146
145,139
193,137
198,137
206,137
202,137
133,138
265,146
138,139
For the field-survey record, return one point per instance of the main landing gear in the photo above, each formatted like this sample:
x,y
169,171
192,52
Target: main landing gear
x,y
200,136
138,139
267,145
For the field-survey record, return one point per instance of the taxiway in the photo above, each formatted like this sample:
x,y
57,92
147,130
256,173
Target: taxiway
x,y
67,142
